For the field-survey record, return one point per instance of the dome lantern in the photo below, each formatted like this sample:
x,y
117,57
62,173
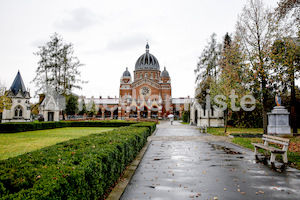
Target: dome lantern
x,y
126,73
165,73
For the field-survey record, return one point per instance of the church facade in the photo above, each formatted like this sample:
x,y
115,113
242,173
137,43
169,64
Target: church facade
x,y
20,105
146,93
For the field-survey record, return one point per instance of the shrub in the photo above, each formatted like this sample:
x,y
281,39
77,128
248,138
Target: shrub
x,y
82,168
31,126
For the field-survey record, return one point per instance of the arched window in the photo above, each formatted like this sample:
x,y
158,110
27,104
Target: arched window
x,y
18,111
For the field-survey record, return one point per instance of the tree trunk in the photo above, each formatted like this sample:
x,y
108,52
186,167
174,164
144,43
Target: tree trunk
x,y
293,110
264,105
226,119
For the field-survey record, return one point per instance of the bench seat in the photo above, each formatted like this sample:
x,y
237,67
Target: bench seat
x,y
274,151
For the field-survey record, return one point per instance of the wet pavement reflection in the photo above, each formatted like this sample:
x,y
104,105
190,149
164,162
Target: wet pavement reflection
x,y
195,169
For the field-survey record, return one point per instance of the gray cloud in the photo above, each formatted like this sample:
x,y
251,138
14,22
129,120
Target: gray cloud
x,y
80,19
127,42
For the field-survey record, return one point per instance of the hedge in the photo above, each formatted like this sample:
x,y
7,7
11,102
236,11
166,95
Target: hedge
x,y
32,126
82,168
150,125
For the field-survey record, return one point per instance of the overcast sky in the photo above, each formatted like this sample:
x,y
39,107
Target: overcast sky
x,y
109,36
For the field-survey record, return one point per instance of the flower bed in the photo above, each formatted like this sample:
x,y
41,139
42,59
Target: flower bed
x,y
81,168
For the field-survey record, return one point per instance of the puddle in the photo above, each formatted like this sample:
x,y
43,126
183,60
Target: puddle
x,y
225,149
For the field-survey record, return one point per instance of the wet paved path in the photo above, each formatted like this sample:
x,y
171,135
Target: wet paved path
x,y
182,163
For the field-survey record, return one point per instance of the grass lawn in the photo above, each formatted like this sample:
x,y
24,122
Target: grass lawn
x,y
294,146
19,143
220,131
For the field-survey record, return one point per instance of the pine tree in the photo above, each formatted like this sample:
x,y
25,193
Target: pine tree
x,y
72,105
83,108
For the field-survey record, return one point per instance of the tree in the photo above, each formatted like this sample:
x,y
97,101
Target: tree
x,y
83,109
257,27
72,105
208,61
286,58
232,75
206,71
57,67
289,9
92,108
5,102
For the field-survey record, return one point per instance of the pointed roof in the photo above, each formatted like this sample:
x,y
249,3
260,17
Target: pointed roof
x,y
18,85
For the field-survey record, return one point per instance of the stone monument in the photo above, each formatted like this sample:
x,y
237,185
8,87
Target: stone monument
x,y
278,120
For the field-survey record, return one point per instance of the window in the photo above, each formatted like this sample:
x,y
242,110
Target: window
x,y
146,75
18,111
151,75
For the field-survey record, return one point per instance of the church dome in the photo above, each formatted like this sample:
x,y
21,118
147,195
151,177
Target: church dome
x,y
147,61
126,73
165,73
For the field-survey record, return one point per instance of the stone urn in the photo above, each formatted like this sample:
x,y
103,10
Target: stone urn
x,y
278,122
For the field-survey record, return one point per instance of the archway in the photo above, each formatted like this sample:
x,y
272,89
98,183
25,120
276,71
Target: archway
x,y
133,112
116,113
144,112
176,113
154,112
107,113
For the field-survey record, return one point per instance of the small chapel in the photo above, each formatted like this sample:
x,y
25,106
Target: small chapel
x,y
20,105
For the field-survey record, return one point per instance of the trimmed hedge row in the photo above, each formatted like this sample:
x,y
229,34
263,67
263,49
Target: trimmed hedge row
x,y
31,126
150,125
82,168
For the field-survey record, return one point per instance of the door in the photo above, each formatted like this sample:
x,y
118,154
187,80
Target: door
x,y
50,116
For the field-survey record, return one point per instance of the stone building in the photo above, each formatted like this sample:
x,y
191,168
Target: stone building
x,y
147,93
205,117
20,107
49,108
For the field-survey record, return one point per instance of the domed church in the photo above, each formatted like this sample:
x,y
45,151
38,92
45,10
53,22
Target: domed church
x,y
149,95
146,93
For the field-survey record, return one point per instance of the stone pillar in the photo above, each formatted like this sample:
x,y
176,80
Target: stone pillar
x,y
278,122
111,113
138,113
149,114
103,112
159,112
119,112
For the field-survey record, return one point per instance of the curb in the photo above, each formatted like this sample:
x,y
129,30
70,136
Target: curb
x,y
118,190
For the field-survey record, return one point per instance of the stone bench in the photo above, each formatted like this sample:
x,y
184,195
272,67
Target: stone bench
x,y
274,151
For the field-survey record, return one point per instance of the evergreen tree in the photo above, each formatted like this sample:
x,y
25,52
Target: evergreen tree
x,y
72,105
93,110
83,108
